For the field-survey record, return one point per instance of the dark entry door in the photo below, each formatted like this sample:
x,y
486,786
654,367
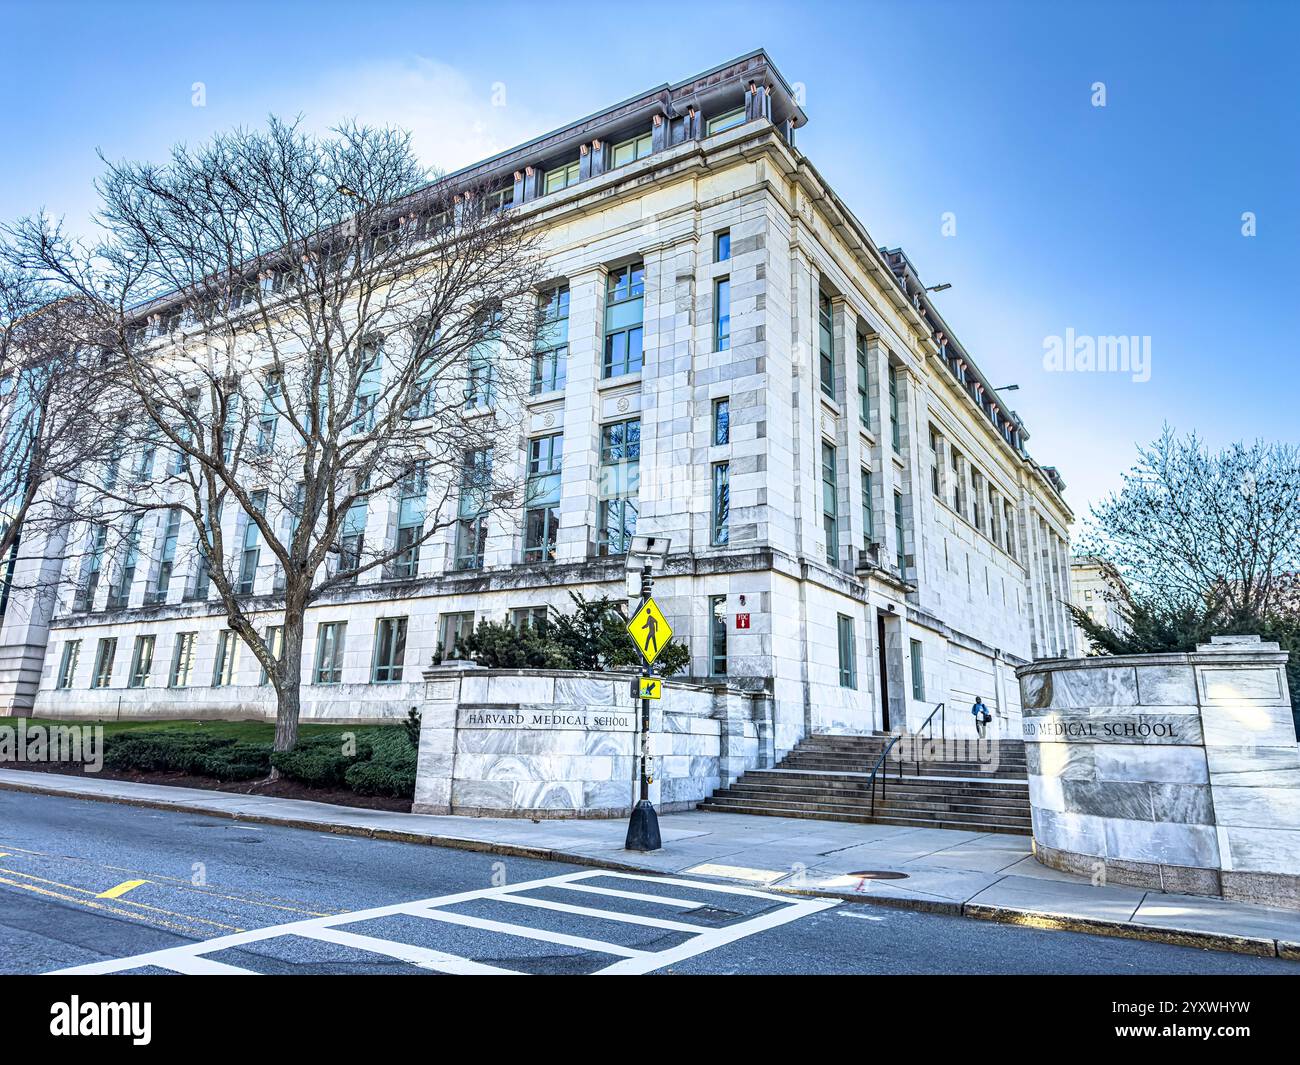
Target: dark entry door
x,y
884,671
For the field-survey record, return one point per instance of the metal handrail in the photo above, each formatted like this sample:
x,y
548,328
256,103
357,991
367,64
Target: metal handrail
x,y
928,723
884,781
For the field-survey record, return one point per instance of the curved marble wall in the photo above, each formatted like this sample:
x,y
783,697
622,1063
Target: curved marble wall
x,y
1178,772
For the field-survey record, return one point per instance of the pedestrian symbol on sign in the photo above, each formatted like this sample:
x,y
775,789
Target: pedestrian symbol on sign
x,y
650,630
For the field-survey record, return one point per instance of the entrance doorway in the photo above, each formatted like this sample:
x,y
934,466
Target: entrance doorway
x,y
883,668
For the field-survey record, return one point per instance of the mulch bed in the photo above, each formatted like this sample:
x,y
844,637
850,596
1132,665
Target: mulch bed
x,y
280,789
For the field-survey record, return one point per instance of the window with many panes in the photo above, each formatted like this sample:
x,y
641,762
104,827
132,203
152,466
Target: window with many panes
x,y
825,344
166,556
453,628
898,532
977,499
352,536
119,593
141,662
68,665
366,395
619,482
423,397
183,659
958,481
868,521
102,677
722,314
721,421
412,490
935,472
480,382
91,566
624,318
630,150
721,511
848,656
223,666
895,424
252,546
561,177
390,650
717,635
1009,524
830,505
471,509
542,497
864,397
550,360
330,637
275,644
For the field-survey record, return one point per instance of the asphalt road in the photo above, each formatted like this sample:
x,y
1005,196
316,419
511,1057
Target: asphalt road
x,y
96,884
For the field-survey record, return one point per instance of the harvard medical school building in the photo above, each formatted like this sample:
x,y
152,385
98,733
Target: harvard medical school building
x,y
734,363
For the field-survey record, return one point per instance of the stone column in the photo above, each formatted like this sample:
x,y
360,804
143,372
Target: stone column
x,y
437,754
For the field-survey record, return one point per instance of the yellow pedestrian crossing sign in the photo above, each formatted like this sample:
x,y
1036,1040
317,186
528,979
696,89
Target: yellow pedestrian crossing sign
x,y
650,687
650,630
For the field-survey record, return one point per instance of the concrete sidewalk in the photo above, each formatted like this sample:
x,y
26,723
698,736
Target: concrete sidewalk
x,y
975,874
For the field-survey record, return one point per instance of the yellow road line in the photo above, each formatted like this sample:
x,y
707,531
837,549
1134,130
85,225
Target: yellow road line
x,y
91,904
121,889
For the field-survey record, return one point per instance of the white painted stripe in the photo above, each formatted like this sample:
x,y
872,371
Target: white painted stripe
x,y
194,965
603,915
523,931
635,896
725,889
421,956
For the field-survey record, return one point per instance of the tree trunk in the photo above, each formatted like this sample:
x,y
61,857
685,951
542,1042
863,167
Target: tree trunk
x,y
289,691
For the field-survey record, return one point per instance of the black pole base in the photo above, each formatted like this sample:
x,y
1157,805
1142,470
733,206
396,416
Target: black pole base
x,y
643,828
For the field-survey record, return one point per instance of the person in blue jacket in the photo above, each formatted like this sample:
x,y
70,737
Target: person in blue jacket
x,y
982,716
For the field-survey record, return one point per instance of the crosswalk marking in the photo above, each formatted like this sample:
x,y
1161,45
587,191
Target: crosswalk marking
x,y
194,958
121,889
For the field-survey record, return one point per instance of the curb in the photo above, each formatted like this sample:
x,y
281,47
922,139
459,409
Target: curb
x,y
1220,941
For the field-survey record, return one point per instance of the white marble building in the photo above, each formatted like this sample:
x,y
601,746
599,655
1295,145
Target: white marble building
x,y
888,542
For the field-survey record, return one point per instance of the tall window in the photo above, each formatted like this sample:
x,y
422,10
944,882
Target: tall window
x,y
624,317
141,662
620,478
722,246
722,314
267,421
825,344
629,151
352,535
480,384
935,486
1008,521
330,636
958,487
718,635
995,517
918,671
895,428
721,421
453,629
864,397
848,659
104,655
411,494
183,659
249,555
471,521
390,650
167,556
367,393
424,356
89,583
68,665
542,497
120,593
561,177
223,667
274,644
898,532
977,499
721,504
830,505
868,518
552,355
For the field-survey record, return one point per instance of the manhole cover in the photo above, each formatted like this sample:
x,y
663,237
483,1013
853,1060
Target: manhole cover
x,y
879,874
712,914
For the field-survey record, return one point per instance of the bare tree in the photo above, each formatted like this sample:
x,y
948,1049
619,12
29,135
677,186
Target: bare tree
x,y
1206,531
305,327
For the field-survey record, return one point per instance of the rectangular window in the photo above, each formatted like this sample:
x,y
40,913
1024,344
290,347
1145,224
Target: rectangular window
x,y
995,517
721,504
848,656
471,522
453,629
722,314
223,667
183,659
390,650
330,636
533,616
718,636
119,594
411,495
624,317
84,599
830,505
935,473
618,486
68,666
864,396
425,358
721,421
726,120
958,488
352,537
550,360
918,671
141,662
895,427
104,655
868,518
480,382
166,556
722,246
629,151
542,497
561,177
977,499
898,532
825,344
267,421
1010,526
275,644
251,551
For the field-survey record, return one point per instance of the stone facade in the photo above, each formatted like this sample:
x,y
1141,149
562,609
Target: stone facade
x,y
1178,772
890,542
1100,592
565,744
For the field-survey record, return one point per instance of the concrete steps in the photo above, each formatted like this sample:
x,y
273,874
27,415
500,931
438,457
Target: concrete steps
x,y
828,778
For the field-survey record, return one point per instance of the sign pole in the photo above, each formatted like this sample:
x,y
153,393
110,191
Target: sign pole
x,y
643,828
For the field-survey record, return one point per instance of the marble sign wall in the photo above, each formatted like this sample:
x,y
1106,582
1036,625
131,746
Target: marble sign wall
x,y
1179,772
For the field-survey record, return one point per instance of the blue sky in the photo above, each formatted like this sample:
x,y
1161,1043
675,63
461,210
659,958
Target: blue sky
x,y
1116,220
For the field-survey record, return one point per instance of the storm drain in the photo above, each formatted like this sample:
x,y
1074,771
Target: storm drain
x,y
879,874
713,915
